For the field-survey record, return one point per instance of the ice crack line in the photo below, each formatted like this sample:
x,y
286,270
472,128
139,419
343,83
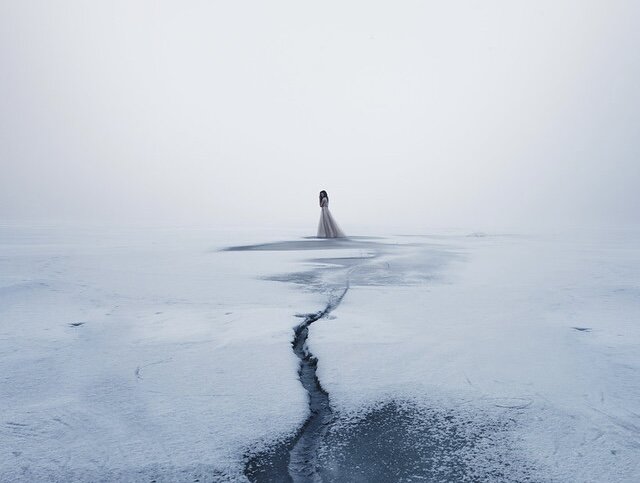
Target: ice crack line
x,y
303,455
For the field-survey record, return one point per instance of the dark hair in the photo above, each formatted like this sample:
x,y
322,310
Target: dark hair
x,y
323,194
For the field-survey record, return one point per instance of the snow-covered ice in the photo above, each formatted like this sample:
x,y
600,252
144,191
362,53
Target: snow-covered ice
x,y
156,354
542,331
181,361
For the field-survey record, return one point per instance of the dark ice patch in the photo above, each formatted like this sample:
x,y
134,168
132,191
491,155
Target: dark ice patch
x,y
401,442
270,464
305,244
310,278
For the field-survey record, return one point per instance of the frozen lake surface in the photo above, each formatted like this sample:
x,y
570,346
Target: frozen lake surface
x,y
166,355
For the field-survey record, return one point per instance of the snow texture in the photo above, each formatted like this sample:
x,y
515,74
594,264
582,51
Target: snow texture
x,y
159,354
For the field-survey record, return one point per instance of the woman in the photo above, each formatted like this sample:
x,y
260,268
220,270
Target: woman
x,y
327,228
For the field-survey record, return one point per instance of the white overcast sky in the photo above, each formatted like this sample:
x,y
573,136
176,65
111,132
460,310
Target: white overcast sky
x,y
409,113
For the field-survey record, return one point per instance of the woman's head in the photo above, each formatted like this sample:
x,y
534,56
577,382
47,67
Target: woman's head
x,y
323,194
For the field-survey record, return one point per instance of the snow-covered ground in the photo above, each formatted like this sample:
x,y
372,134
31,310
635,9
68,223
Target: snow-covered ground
x,y
139,355
544,331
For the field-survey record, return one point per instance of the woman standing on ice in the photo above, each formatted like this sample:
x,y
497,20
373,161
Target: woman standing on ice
x,y
327,228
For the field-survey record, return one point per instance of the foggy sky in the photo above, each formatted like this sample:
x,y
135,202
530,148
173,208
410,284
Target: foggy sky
x,y
410,113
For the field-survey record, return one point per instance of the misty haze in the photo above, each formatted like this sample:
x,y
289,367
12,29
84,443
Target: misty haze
x,y
319,242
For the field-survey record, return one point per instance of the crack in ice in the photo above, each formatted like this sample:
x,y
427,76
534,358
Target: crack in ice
x,y
302,457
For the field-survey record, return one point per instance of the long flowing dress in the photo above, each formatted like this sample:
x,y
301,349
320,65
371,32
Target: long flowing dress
x,y
328,228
